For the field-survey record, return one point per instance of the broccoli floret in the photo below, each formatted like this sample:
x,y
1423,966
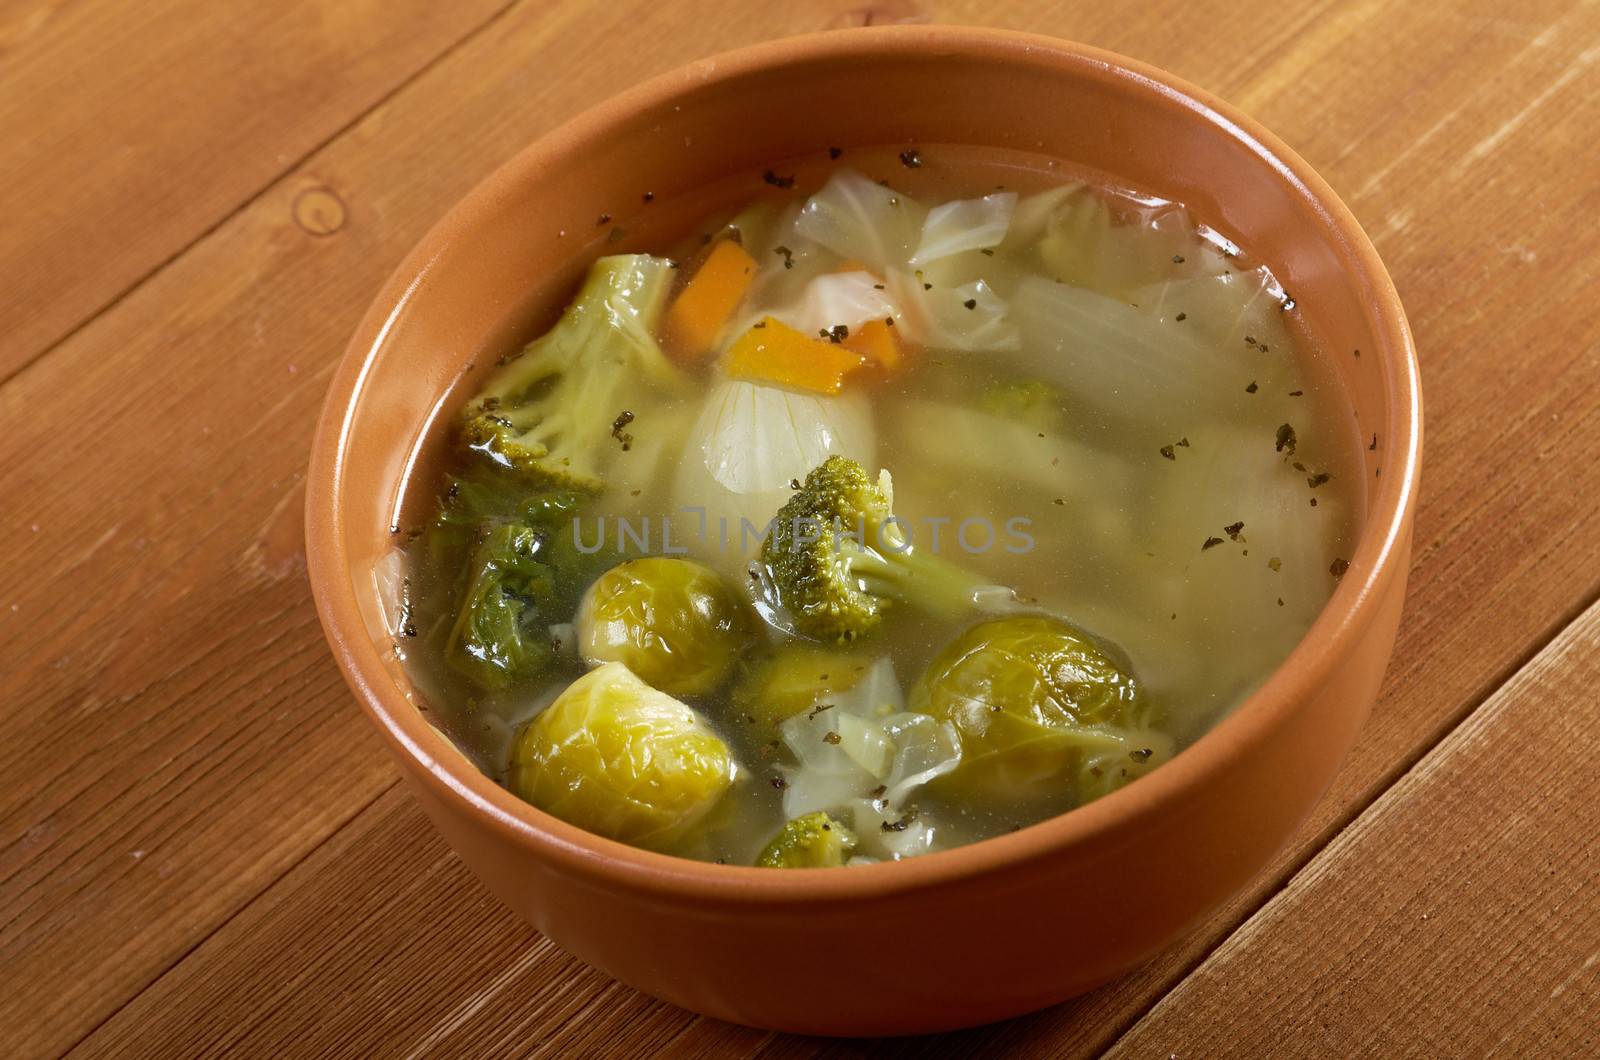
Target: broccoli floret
x,y
814,841
1031,402
549,413
837,557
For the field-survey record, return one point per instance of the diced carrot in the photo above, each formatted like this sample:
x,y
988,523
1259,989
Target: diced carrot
x,y
709,299
876,339
850,265
773,352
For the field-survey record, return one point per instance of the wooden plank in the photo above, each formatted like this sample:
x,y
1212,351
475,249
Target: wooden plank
x,y
186,709
398,867
1456,917
337,953
375,877
130,129
175,736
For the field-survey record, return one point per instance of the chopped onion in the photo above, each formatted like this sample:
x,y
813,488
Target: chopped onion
x,y
749,442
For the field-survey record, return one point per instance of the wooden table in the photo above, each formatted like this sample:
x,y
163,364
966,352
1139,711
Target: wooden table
x,y
202,845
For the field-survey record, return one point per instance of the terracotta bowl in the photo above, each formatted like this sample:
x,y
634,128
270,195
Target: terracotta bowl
x,y
984,931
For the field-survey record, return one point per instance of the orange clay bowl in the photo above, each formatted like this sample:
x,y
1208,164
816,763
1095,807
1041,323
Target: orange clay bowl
x,y
959,937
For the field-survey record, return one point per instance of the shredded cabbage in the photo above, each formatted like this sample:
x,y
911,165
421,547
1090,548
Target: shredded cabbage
x,y
657,429
862,220
1118,357
1086,243
985,444
1224,308
848,298
863,756
969,317
389,579
1031,218
966,224
1132,754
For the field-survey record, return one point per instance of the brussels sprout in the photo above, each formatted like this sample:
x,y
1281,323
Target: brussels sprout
x,y
815,841
1040,709
673,622
778,684
621,759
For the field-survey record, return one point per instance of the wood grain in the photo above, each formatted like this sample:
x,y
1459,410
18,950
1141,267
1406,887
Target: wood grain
x,y
355,991
133,128
175,736
196,828
1457,917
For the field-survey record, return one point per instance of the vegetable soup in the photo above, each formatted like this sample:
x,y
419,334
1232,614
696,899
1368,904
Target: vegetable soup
x,y
897,499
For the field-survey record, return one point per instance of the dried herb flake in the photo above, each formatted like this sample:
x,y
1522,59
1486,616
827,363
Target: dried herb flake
x,y
623,419
1286,439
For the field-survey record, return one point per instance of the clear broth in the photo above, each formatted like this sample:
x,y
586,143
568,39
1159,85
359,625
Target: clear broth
x,y
1133,511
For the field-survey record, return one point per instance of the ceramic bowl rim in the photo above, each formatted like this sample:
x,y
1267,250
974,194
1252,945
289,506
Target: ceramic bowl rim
x,y
1332,637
